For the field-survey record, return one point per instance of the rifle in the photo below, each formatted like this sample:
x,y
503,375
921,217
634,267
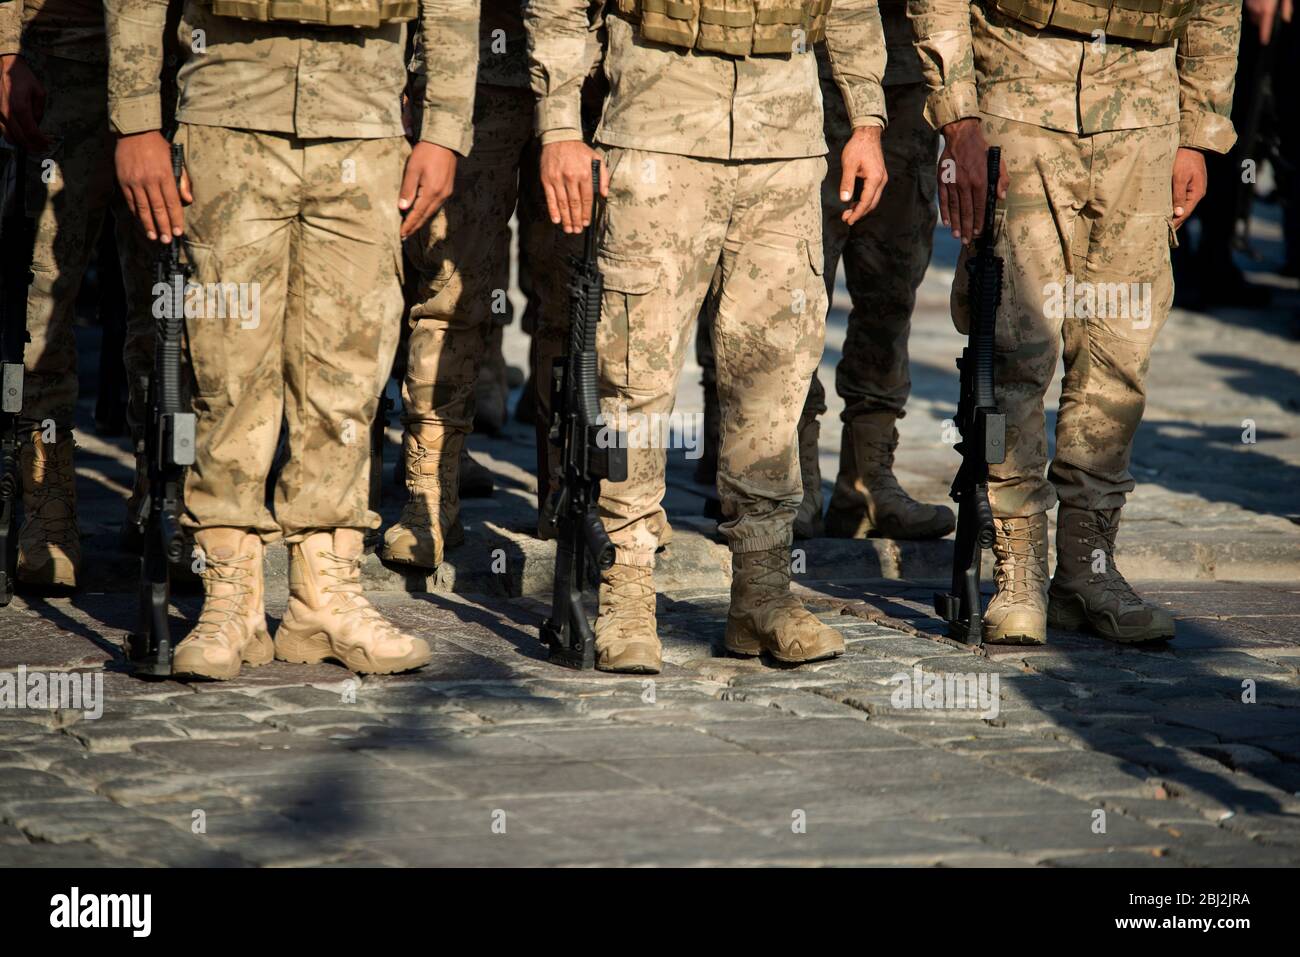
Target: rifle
x,y
19,232
575,427
983,431
169,447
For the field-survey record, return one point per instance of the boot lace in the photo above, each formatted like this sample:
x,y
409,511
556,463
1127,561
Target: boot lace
x,y
220,610
1100,535
633,595
1019,573
346,575
51,509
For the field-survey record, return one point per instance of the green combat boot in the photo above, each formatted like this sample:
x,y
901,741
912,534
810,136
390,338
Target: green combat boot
x,y
49,542
868,502
430,519
1088,590
626,640
808,522
1017,615
766,616
231,630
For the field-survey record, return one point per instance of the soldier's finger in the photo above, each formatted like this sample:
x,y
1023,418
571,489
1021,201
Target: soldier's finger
x,y
158,210
945,201
877,191
604,178
573,209
140,205
175,214
30,136
847,176
965,224
410,186
187,197
587,200
552,204
1004,183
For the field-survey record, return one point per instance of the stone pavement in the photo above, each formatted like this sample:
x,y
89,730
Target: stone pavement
x,y
1081,753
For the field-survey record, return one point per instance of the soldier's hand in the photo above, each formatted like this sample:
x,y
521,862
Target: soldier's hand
x,y
862,159
1188,183
22,105
963,178
430,176
566,180
144,172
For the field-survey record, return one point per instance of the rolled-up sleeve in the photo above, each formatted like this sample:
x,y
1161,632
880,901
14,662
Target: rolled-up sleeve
x,y
559,58
943,40
449,42
855,43
135,63
1207,66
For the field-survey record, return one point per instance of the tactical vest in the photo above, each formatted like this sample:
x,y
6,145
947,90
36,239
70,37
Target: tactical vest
x,y
330,13
737,27
1147,21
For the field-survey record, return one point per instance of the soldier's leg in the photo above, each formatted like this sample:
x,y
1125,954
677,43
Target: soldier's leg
x,y
884,263
458,256
665,222
341,333
1042,238
1128,282
768,334
68,188
240,238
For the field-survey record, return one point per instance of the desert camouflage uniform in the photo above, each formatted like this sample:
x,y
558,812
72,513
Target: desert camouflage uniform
x,y
1089,127
1088,132
293,140
715,163
71,188
885,254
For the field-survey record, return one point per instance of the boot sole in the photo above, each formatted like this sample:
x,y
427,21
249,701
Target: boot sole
x,y
259,652
743,643
314,648
408,558
1071,614
1015,640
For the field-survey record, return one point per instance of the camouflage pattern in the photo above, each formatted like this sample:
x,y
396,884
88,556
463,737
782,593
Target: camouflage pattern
x,y
278,77
1074,84
68,29
1096,208
671,221
322,248
461,261
72,187
666,100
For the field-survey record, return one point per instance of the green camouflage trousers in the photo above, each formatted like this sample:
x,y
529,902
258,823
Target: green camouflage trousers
x,y
71,188
672,221
462,261
885,256
1085,234
295,250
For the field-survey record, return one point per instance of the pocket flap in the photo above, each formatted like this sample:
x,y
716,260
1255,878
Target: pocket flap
x,y
625,274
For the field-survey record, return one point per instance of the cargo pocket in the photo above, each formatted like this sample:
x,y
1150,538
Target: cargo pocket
x,y
634,336
204,341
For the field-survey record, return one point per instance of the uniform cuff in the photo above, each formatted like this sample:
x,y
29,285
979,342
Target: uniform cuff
x,y
950,104
1202,130
557,118
561,136
138,114
868,119
447,131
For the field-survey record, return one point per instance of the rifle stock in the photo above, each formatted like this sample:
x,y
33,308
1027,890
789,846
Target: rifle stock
x,y
19,231
581,540
983,430
169,448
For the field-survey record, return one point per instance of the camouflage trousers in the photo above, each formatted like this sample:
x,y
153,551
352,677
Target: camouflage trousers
x,y
304,235
885,256
71,188
1085,234
673,221
462,264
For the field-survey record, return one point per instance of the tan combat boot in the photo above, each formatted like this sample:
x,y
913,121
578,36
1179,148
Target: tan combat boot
x,y
626,640
430,519
1088,589
1017,615
808,521
868,501
329,617
766,616
49,542
231,629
